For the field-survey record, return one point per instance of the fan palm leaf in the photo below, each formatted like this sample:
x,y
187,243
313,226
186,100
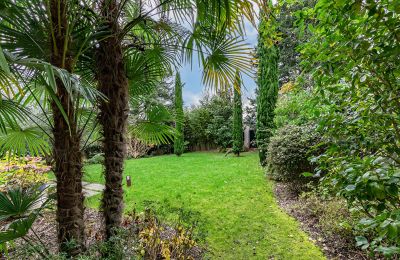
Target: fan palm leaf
x,y
24,140
20,208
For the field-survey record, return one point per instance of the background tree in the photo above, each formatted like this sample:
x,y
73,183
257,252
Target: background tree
x,y
292,36
267,82
220,126
195,133
179,145
237,132
209,124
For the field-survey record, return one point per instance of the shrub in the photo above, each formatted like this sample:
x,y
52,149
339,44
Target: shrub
x,y
97,158
359,81
156,239
288,153
209,125
137,148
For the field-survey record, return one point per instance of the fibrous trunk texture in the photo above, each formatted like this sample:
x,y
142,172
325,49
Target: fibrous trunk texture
x,y
113,116
66,148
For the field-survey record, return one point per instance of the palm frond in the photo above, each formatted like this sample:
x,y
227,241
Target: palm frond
x,y
227,55
3,63
24,141
153,132
10,113
154,127
16,203
21,207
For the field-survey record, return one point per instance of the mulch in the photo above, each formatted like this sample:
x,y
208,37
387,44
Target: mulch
x,y
45,228
334,246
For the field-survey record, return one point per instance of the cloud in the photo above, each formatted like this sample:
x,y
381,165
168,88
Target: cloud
x,y
191,98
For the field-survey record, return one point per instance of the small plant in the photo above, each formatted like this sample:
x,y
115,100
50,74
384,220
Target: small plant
x,y
19,208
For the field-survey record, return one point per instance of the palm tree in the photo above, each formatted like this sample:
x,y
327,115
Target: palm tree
x,y
220,52
66,148
113,83
38,39
67,121
28,27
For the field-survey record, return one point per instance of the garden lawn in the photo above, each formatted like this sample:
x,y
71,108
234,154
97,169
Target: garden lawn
x,y
242,217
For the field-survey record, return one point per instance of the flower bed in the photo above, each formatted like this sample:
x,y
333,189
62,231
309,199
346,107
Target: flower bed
x,y
23,172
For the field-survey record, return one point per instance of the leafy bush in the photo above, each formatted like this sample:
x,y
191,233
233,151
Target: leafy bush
x,y
22,172
288,153
296,107
210,123
362,162
355,63
370,185
96,159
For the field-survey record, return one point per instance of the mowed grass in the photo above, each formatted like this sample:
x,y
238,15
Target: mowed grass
x,y
232,195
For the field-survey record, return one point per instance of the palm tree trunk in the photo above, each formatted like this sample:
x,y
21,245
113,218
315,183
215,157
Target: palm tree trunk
x,y
66,148
113,116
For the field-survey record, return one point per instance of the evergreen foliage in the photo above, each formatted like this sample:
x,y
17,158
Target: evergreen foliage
x,y
179,118
237,132
353,55
209,124
268,56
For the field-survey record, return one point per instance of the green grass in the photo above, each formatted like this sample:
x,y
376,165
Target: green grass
x,y
232,194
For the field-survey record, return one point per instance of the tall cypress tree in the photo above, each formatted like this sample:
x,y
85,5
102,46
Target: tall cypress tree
x,y
268,56
179,138
237,133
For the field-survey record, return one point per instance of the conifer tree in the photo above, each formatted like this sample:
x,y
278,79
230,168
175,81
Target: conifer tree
x,y
268,56
179,138
237,133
